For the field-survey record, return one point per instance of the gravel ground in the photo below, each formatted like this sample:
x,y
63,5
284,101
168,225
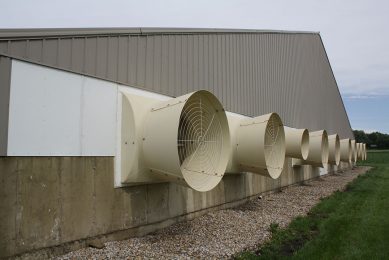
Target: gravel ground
x,y
223,233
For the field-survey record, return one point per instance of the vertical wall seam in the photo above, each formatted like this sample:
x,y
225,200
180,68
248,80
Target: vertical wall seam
x,y
71,54
118,59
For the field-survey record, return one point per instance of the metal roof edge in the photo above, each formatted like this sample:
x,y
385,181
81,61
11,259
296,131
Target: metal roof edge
x,y
157,30
79,32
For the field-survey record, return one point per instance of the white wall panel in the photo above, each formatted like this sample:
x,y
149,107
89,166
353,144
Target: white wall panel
x,y
98,117
54,112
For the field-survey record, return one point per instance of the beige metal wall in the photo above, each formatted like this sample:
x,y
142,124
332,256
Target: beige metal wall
x,y
252,72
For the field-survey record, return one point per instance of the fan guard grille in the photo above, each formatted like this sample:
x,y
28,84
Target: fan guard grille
x,y
274,146
200,137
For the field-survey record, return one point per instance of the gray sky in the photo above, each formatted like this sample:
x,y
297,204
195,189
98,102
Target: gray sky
x,y
355,33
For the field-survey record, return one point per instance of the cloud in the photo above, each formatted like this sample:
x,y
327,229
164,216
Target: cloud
x,y
366,96
368,80
367,131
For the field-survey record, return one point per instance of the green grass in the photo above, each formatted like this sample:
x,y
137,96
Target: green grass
x,y
353,224
376,157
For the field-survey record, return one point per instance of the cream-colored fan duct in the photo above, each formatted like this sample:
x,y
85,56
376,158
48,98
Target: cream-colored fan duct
x,y
334,149
359,151
185,140
364,152
345,150
257,145
353,151
318,150
297,142
362,156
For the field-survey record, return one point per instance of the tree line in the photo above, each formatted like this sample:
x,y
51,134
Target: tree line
x,y
374,140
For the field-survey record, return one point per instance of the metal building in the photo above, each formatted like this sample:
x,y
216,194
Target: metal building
x,y
252,72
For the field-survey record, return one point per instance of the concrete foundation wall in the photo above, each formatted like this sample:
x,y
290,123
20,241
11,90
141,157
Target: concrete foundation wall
x,y
52,201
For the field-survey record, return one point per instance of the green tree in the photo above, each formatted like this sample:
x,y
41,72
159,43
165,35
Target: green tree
x,y
376,139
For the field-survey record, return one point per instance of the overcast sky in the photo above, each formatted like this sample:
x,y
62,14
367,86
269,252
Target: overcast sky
x,y
355,33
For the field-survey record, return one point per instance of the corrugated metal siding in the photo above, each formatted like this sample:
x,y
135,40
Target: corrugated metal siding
x,y
252,73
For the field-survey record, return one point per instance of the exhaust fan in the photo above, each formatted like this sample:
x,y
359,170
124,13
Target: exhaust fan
x,y
345,150
258,145
359,151
353,151
364,152
334,149
318,150
362,148
297,142
361,156
184,139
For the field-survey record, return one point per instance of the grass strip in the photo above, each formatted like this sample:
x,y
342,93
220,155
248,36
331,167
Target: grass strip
x,y
350,224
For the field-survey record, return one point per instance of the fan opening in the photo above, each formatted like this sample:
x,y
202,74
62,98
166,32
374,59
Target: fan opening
x,y
305,144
